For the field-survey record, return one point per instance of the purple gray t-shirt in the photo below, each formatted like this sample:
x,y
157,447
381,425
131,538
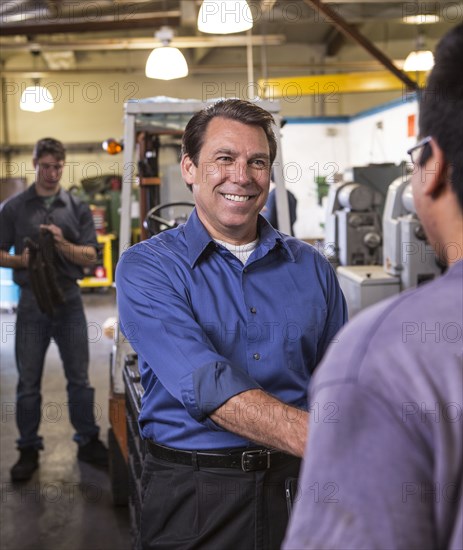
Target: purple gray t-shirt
x,y
384,461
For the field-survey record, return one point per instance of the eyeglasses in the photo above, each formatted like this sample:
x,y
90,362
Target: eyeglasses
x,y
46,166
414,153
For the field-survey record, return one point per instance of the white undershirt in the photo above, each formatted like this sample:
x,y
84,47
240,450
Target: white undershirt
x,y
241,251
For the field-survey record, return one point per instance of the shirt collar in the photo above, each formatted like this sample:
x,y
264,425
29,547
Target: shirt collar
x,y
198,239
32,194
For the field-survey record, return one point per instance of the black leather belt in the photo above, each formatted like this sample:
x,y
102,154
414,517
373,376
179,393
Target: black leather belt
x,y
247,460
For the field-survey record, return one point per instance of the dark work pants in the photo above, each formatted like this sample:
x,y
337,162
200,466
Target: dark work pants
x,y
34,331
213,508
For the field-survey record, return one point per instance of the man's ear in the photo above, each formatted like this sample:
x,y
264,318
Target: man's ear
x,y
35,162
188,170
435,171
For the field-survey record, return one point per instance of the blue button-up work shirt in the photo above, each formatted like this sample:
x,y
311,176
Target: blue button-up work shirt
x,y
206,327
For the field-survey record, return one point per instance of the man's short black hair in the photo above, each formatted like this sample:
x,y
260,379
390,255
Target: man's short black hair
x,y
441,105
234,109
49,146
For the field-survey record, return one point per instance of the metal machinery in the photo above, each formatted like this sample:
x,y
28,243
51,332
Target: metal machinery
x,y
353,232
146,121
353,227
102,194
101,274
409,260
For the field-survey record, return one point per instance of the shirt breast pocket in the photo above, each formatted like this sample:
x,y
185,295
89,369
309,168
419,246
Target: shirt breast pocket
x,y
302,332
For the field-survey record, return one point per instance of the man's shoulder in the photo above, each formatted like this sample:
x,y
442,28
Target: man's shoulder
x,y
399,335
438,299
72,199
171,242
16,200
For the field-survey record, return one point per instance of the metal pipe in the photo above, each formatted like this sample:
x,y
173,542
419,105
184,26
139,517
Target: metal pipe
x,y
103,23
250,62
209,69
9,150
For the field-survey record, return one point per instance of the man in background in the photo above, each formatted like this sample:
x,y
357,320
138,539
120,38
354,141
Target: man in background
x,y
46,207
389,472
270,209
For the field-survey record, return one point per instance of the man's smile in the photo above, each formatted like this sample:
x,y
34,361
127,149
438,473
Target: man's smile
x,y
236,198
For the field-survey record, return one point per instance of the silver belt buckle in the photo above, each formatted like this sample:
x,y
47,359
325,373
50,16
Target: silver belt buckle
x,y
247,468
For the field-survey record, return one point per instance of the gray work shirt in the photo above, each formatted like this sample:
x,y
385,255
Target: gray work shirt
x,y
384,461
22,215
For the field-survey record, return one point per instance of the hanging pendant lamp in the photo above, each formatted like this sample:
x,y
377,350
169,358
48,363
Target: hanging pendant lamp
x,y
224,16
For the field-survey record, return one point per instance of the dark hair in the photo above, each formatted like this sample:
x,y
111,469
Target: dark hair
x,y
49,146
441,106
234,109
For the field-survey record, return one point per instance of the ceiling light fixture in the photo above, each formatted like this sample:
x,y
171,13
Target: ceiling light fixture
x,y
419,59
224,16
36,98
166,62
420,19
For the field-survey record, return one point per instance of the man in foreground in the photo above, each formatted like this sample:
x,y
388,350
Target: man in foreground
x,y
229,318
389,473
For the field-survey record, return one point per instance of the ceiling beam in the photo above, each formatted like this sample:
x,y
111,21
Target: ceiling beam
x,y
351,32
100,23
195,69
332,84
105,44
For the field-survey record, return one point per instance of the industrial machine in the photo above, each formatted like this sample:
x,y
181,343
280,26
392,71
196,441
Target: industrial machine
x,y
409,260
101,274
353,225
407,253
152,127
353,228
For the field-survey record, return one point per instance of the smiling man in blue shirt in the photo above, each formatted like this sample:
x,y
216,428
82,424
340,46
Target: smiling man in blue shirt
x,y
229,318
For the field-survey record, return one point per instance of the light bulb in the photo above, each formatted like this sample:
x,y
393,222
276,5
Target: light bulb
x,y
224,16
419,60
36,99
166,63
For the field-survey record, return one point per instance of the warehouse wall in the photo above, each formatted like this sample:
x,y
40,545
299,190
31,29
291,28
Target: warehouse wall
x,y
313,148
325,147
384,134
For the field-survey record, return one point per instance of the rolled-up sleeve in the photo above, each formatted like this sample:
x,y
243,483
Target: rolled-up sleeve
x,y
87,234
157,319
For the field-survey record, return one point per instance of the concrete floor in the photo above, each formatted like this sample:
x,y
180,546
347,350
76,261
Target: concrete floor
x,y
67,505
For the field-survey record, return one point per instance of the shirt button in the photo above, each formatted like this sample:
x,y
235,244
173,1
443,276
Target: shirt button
x,y
253,310
245,270
256,356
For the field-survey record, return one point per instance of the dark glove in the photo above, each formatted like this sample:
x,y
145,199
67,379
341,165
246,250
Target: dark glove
x,y
42,273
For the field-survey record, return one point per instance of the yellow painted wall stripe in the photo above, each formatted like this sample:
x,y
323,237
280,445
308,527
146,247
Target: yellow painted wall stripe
x,y
332,84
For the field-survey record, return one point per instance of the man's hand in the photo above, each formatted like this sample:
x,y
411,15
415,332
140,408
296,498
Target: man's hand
x,y
55,231
77,254
24,261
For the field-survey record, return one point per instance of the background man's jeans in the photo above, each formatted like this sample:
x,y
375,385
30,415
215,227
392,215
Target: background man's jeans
x,y
34,331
